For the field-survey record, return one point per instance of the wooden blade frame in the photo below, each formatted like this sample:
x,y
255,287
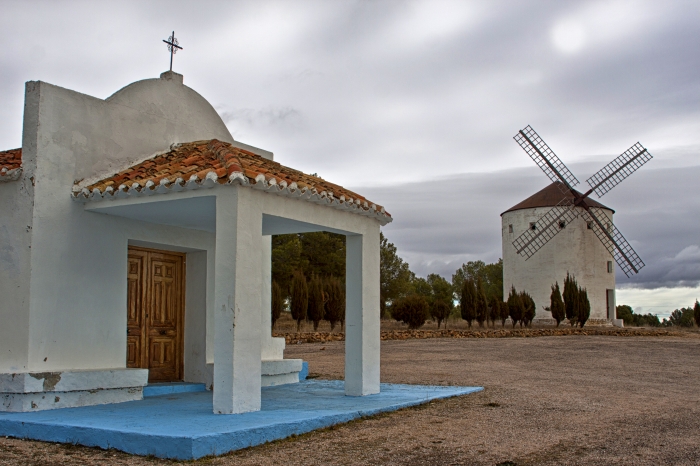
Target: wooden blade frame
x,y
613,173
545,158
546,228
614,242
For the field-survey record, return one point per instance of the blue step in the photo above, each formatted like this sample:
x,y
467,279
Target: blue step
x,y
168,388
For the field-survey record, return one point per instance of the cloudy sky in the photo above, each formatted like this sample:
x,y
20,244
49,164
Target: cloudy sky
x,y
414,104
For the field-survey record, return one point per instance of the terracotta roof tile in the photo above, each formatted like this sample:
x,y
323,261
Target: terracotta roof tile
x,y
214,162
10,164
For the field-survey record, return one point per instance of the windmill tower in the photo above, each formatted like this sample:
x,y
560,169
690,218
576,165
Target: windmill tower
x,y
560,230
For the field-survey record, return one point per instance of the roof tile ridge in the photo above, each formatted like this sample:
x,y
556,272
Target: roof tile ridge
x,y
223,151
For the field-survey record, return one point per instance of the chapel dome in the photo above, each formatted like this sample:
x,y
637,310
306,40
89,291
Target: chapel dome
x,y
550,197
168,98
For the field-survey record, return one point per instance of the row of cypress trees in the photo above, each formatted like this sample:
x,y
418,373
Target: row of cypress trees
x,y
475,306
573,304
315,300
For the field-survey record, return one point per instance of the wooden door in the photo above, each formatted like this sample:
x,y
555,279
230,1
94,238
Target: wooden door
x,y
155,313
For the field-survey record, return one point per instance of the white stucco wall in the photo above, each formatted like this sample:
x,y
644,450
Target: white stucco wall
x,y
76,313
575,249
16,200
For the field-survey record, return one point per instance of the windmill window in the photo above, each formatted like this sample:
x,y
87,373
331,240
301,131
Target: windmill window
x,y
562,224
533,226
610,267
589,225
510,228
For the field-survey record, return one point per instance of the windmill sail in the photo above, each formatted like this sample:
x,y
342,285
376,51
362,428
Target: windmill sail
x,y
545,158
546,228
613,173
614,242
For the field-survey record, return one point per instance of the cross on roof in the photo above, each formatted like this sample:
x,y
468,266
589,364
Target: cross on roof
x,y
172,47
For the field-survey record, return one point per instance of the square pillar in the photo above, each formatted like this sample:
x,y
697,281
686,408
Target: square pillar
x,y
362,333
237,313
272,348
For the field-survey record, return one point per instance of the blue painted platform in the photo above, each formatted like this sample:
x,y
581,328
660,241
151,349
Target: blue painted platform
x,y
182,425
169,388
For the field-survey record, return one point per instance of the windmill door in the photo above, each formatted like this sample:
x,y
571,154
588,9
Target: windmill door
x,y
155,313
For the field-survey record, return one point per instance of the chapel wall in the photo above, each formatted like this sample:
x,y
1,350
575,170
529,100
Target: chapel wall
x,y
16,231
78,283
575,249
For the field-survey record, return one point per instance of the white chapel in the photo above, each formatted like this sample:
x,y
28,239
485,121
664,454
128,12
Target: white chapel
x,y
135,248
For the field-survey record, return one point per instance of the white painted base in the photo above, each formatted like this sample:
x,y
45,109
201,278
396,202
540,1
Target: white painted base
x,y
36,391
276,371
24,402
618,323
280,371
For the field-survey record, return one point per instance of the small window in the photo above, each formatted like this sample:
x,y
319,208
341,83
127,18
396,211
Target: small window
x,y
533,226
608,226
589,225
562,224
610,267
510,228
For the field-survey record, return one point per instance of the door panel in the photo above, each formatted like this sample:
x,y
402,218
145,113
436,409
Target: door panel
x,y
136,294
159,344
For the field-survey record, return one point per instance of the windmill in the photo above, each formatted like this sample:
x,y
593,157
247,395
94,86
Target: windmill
x,y
532,240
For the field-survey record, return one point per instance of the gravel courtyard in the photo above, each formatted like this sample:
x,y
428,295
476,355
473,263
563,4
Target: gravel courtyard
x,y
547,400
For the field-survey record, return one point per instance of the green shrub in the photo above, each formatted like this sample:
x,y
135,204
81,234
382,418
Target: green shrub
x,y
440,311
631,319
412,310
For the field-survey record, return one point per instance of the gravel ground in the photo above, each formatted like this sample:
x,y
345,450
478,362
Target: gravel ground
x,y
550,400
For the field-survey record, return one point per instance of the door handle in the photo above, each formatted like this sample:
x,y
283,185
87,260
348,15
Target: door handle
x,y
163,332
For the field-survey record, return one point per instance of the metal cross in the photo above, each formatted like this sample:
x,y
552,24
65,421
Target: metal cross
x,y
172,47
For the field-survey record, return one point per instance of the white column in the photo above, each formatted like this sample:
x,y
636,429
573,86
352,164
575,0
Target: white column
x,y
362,337
238,285
272,348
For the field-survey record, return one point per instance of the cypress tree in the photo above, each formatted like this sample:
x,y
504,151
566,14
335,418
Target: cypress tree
x,y
571,299
300,298
468,301
481,305
315,304
335,304
556,304
277,302
529,308
494,310
515,307
696,313
584,308
504,312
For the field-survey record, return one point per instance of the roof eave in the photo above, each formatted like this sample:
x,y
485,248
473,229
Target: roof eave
x,y
271,185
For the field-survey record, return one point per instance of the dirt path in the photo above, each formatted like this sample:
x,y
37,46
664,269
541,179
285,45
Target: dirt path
x,y
549,400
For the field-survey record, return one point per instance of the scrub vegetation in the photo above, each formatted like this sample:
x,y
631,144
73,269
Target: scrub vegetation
x,y
474,293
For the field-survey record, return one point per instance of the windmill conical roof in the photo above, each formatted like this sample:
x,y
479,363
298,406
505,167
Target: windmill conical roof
x,y
551,196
